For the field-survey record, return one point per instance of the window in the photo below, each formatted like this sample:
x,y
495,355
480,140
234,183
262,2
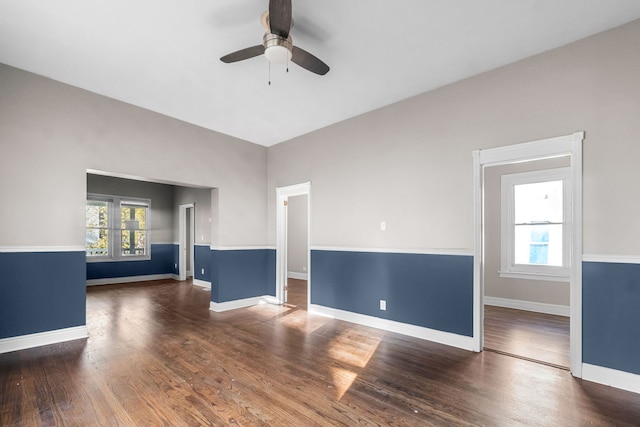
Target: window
x,y
117,228
535,232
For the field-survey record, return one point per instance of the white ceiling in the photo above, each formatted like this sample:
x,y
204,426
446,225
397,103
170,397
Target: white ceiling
x,y
163,55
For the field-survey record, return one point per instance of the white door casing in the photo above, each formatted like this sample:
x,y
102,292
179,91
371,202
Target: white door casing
x,y
553,147
185,236
282,198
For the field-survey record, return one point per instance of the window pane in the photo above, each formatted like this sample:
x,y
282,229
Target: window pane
x,y
96,213
97,233
539,244
134,217
134,223
134,242
538,202
97,241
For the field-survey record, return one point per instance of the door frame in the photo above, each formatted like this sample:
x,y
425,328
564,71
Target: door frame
x,y
536,150
183,240
282,198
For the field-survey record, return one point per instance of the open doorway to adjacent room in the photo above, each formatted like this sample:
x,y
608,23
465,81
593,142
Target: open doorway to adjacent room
x,y
293,257
528,305
297,251
526,313
186,241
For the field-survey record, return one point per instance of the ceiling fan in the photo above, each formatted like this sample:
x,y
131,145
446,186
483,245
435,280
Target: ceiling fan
x,y
277,44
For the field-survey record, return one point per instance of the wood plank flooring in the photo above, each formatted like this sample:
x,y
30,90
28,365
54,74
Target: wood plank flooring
x,y
157,355
536,336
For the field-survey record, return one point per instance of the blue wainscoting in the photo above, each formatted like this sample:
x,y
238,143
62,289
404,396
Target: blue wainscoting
x,y
241,274
202,261
176,259
611,315
432,291
161,262
41,291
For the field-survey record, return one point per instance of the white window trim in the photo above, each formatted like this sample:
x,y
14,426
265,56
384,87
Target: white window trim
x,y
508,268
116,202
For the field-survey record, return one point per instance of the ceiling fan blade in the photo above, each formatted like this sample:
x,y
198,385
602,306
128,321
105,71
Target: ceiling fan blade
x,y
242,54
280,17
308,61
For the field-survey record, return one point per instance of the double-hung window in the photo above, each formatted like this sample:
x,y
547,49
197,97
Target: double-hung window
x,y
117,228
536,207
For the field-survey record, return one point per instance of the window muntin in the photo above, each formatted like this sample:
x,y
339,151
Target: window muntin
x,y
117,228
535,206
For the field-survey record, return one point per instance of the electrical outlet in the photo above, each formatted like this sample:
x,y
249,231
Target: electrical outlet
x,y
304,268
175,265
203,271
383,226
383,304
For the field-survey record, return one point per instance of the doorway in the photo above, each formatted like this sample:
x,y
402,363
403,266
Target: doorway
x,y
300,195
186,241
526,304
297,251
570,145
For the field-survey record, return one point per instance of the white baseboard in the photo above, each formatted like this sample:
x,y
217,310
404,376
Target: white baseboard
x,y
239,303
611,377
128,279
294,275
202,283
42,338
538,307
447,338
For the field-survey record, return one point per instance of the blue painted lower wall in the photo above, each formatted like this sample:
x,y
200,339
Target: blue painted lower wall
x,y
433,291
611,315
239,274
41,291
162,262
45,291
202,261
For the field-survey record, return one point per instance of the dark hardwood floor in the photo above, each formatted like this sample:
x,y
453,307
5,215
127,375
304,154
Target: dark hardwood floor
x,y
157,355
536,336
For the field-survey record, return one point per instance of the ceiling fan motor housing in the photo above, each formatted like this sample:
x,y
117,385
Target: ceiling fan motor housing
x,y
277,49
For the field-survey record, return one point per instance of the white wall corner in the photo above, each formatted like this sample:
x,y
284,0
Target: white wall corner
x,y
42,338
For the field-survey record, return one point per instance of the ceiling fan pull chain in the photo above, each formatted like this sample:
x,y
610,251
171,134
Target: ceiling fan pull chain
x,y
269,73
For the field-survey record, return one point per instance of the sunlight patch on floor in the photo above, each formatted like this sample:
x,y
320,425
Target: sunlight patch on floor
x,y
302,321
352,349
268,311
342,380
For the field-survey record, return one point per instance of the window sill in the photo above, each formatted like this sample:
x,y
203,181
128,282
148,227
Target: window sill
x,y
533,276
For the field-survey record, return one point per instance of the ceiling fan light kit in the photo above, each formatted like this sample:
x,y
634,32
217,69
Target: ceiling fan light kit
x,y
277,44
277,49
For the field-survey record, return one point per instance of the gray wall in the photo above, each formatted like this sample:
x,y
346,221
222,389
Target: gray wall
x,y
201,198
410,163
519,289
52,133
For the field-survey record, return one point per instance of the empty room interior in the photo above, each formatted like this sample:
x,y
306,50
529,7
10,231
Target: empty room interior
x,y
294,213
